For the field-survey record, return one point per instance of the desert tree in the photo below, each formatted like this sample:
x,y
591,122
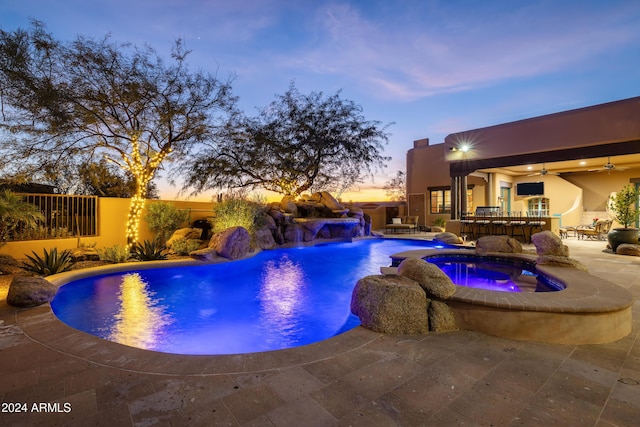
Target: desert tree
x,y
396,187
297,143
97,98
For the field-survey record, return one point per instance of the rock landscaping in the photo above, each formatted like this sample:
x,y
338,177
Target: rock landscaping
x,y
412,302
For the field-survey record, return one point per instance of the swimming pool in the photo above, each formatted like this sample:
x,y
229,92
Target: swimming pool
x,y
277,299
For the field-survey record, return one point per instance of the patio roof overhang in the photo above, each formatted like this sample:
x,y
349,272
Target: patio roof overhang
x,y
466,167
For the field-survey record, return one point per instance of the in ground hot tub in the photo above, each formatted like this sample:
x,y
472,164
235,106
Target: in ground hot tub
x,y
494,273
589,310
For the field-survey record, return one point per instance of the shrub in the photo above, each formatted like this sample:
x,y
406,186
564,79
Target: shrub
x,y
184,246
50,263
14,212
623,204
237,211
440,222
115,254
148,251
163,219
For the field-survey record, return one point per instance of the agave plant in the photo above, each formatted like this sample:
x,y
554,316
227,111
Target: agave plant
x,y
148,251
50,263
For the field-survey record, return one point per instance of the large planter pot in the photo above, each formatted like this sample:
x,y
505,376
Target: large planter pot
x,y
618,236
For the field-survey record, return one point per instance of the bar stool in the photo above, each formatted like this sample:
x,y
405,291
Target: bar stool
x,y
483,223
535,222
467,224
499,225
517,225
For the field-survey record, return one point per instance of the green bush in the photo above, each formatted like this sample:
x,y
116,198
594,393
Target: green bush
x,y
50,263
15,212
115,254
184,246
440,222
623,204
237,211
163,219
148,251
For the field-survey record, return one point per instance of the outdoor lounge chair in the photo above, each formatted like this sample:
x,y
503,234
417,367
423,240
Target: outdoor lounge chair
x,y
405,223
597,232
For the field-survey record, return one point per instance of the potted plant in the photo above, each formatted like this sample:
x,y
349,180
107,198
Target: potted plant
x,y
624,205
439,223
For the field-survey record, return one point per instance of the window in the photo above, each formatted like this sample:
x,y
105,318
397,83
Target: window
x,y
538,206
441,200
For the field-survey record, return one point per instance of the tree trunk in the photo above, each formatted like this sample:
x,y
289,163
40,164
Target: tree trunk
x,y
135,212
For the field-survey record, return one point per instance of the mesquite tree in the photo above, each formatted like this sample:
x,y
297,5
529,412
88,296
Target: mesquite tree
x,y
297,143
100,98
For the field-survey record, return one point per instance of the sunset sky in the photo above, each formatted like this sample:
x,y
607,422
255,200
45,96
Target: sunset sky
x,y
431,67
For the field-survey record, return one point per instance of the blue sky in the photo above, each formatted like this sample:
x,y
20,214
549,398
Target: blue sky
x,y
431,67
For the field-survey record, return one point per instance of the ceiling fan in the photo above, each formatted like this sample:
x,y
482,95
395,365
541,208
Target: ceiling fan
x,y
608,167
543,172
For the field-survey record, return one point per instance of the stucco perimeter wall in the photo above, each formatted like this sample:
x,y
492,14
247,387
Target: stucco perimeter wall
x,y
582,127
112,222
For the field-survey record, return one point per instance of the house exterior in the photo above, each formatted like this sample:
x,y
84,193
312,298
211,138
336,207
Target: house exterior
x,y
564,165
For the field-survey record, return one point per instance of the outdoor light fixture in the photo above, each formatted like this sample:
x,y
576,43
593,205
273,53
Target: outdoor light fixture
x,y
464,147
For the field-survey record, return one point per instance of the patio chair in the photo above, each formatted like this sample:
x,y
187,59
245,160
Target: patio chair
x,y
406,223
517,225
596,232
535,222
467,224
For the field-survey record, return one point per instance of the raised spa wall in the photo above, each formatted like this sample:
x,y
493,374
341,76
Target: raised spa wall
x,y
590,310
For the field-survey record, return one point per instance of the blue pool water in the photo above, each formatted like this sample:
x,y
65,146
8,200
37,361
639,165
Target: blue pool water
x,y
278,299
494,273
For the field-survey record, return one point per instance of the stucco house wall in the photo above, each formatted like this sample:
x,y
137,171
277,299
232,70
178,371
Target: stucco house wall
x,y
602,130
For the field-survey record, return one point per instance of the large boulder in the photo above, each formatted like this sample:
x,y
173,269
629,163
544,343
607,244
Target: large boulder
x,y
504,244
447,238
27,291
232,243
628,249
433,280
270,221
328,200
548,243
390,304
264,238
277,215
206,254
184,233
288,205
441,317
560,261
355,211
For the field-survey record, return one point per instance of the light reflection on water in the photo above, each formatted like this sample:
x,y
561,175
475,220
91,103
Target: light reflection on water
x,y
141,319
282,297
277,299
